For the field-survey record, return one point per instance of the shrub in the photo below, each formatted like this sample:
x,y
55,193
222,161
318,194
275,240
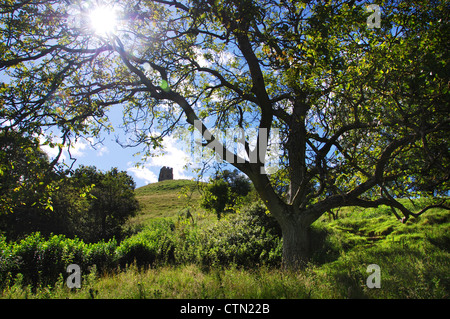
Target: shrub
x,y
40,260
8,262
153,244
102,254
225,192
136,249
244,239
24,257
238,241
53,257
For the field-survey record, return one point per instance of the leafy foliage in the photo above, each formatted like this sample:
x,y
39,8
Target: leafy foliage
x,y
216,196
244,239
362,112
41,260
111,201
25,173
413,257
155,244
90,204
241,241
225,192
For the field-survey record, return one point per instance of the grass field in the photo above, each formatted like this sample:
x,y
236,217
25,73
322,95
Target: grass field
x,y
414,259
164,199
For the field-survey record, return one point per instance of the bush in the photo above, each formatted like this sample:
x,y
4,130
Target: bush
x,y
54,255
137,249
225,192
90,204
103,255
245,239
154,244
40,261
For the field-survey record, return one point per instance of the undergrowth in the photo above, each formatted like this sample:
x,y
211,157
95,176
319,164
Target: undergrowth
x,y
239,257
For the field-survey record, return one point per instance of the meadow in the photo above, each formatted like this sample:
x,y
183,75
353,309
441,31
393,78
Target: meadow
x,y
173,249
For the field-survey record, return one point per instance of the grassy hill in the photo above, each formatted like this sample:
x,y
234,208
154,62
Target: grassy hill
x,y
164,199
414,258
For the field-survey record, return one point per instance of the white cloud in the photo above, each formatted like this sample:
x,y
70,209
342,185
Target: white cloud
x,y
52,152
143,173
172,156
225,57
102,151
78,148
206,57
200,57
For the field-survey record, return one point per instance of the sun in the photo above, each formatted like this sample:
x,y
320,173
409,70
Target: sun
x,y
103,20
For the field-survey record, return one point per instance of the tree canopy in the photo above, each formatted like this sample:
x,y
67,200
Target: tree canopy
x,y
362,111
224,192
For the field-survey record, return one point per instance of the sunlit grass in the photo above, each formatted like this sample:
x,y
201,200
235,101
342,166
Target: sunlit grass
x,y
414,259
164,199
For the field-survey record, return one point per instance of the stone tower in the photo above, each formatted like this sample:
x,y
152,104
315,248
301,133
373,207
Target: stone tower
x,y
165,173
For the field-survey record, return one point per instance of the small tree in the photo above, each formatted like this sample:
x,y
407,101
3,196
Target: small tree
x,y
239,185
27,184
216,196
225,191
25,173
111,201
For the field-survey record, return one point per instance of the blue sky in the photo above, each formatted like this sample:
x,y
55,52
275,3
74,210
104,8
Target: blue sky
x,y
110,154
178,154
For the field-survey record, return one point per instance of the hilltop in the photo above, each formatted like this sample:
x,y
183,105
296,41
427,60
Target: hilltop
x,y
165,199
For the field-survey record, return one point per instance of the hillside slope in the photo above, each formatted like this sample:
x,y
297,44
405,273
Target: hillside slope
x,y
165,199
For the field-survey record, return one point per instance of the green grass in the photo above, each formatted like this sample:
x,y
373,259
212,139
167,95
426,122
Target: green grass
x,y
164,199
187,281
414,259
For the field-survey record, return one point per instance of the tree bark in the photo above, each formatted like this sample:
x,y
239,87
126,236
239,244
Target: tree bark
x,y
295,224
296,243
296,147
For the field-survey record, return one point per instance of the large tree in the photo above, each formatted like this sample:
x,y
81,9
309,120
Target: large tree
x,y
362,110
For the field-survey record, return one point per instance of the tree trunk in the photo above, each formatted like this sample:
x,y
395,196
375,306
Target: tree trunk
x,y
295,224
296,244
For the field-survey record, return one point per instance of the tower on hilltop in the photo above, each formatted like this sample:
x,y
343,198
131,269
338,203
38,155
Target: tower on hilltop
x,y
166,173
